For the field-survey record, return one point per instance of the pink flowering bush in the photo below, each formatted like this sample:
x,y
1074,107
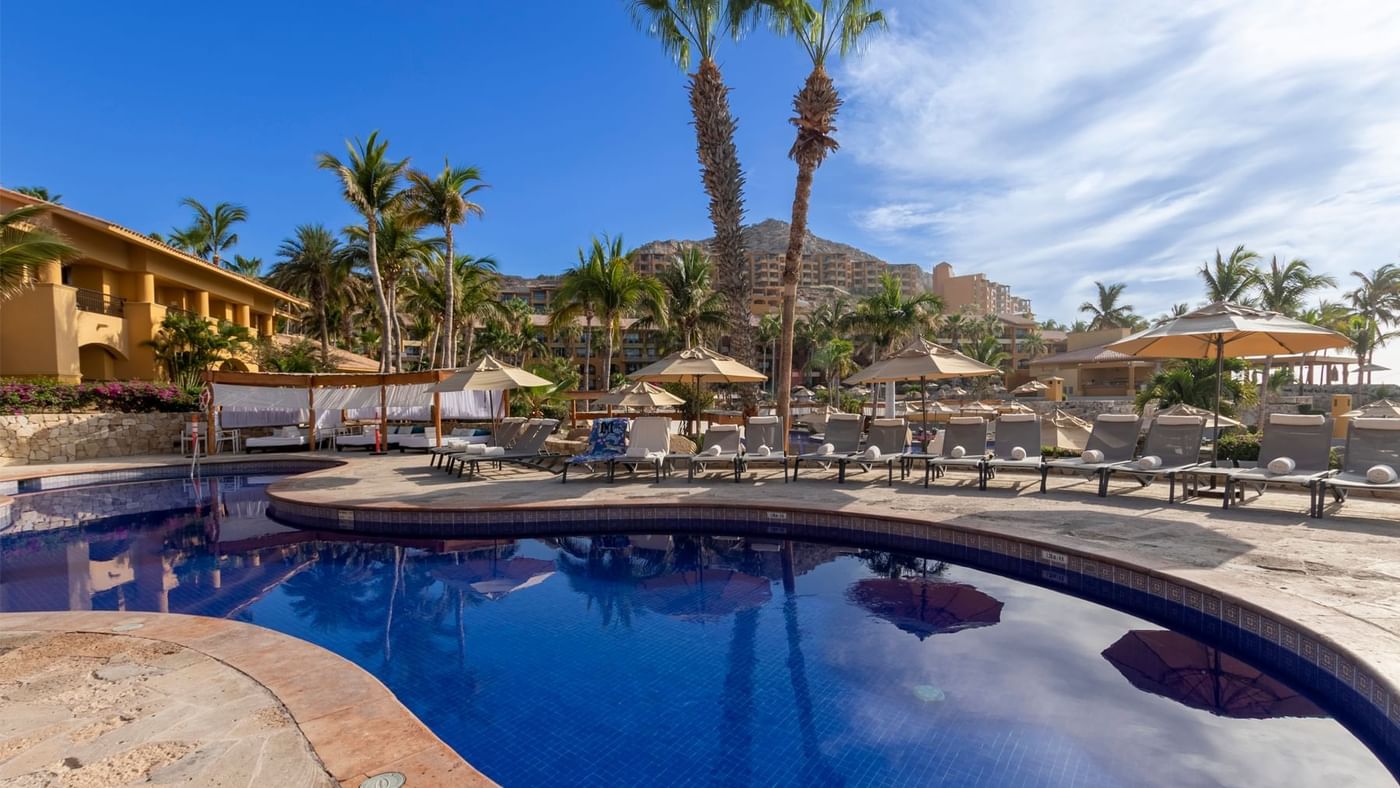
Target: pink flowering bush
x,y
134,396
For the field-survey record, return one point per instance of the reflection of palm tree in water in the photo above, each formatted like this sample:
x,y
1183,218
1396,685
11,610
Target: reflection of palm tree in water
x,y
607,575
331,593
736,720
900,565
797,674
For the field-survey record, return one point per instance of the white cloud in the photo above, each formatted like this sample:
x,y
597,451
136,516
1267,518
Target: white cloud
x,y
1127,142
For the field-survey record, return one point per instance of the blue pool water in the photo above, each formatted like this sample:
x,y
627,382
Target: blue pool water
x,y
612,660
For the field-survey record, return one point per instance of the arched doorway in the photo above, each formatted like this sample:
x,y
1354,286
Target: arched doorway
x,y
233,365
98,362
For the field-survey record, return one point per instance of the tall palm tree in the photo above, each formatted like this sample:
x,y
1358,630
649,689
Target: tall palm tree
x,y
1282,289
214,226
369,181
692,29
311,265
835,360
1106,310
1032,345
888,315
956,326
25,247
399,252
820,28
40,193
606,285
1231,279
188,240
1176,311
1377,299
478,296
577,297
247,266
770,330
695,311
445,200
988,350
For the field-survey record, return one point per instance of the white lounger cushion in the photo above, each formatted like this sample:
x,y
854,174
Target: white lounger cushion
x,y
1297,419
1149,463
1120,417
763,451
1010,417
1092,455
1282,465
1180,420
763,420
887,422
1018,453
957,452
966,420
826,448
871,453
1377,424
1382,474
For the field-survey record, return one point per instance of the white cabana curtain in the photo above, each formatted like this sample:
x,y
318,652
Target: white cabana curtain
x,y
230,396
273,406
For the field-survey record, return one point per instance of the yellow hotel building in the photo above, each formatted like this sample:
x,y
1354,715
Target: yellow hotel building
x,y
88,318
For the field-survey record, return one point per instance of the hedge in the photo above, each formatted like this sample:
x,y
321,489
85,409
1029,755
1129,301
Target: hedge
x,y
48,396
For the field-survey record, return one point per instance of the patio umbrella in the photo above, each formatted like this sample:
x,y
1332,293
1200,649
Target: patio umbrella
x,y
923,361
489,374
1182,409
1224,329
1014,407
927,607
1380,409
1064,430
698,365
979,409
494,578
704,593
640,395
1030,387
1190,672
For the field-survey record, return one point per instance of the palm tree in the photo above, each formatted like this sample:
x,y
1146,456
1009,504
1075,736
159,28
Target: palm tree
x,y
695,310
956,326
1231,279
693,28
40,193
214,227
770,329
820,28
312,265
188,240
1282,289
478,295
835,360
1032,344
25,247
445,200
369,181
1176,311
606,284
577,297
1106,310
398,252
988,350
247,266
1192,382
887,316
1377,300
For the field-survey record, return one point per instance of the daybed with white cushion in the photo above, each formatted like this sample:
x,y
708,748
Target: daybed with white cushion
x,y
281,439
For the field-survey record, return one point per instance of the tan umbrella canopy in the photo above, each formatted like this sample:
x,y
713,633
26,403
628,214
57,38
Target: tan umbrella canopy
x,y
698,365
1182,409
1030,387
1014,407
1064,430
1380,409
927,607
1224,329
640,395
923,361
491,374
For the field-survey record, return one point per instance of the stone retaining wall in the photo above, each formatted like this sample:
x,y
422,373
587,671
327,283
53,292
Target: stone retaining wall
x,y
64,437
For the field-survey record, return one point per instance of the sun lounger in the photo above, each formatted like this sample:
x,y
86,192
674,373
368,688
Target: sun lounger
x,y
964,446
1015,431
722,447
842,439
606,440
1173,447
282,439
527,450
763,444
1295,452
1113,441
505,435
885,444
1372,445
648,443
365,438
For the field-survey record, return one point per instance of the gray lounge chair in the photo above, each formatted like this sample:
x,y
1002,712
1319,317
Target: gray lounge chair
x,y
1115,436
1014,431
1305,439
504,436
1370,442
648,444
725,437
966,432
528,449
842,434
764,431
890,437
1173,448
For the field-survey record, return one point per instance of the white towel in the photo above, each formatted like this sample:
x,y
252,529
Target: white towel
x,y
1382,474
1092,455
491,451
763,451
711,451
1150,462
957,452
636,450
1018,453
871,453
476,448
1282,465
826,448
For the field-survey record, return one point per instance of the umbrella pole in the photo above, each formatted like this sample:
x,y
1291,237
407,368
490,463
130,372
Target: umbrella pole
x,y
923,403
1219,379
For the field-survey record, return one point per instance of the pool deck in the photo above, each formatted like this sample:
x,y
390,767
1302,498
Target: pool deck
x,y
1338,577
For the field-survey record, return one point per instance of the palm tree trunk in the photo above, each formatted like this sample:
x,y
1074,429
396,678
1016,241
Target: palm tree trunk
x,y
321,302
449,354
724,184
607,321
587,351
379,296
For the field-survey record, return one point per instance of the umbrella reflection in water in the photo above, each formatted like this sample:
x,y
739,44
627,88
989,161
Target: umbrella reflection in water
x,y
494,578
1190,672
701,594
927,607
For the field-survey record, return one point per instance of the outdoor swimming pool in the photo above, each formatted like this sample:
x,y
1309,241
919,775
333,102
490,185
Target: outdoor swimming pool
x,y
697,660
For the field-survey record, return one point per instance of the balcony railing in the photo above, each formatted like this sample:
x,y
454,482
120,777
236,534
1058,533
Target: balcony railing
x,y
101,303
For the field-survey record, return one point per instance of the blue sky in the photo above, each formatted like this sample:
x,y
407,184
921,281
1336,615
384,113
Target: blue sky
x,y
1049,143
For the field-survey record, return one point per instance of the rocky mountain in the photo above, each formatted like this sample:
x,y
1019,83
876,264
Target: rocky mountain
x,y
770,237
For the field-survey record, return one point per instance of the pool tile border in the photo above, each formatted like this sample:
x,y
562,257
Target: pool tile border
x,y
1368,701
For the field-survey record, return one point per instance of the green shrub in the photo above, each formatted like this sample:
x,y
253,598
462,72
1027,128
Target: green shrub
x,y
1238,447
1056,452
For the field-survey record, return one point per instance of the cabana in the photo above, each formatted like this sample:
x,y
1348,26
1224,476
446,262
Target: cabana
x,y
324,401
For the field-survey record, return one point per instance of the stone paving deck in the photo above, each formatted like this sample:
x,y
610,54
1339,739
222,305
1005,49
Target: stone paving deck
x,y
1339,577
